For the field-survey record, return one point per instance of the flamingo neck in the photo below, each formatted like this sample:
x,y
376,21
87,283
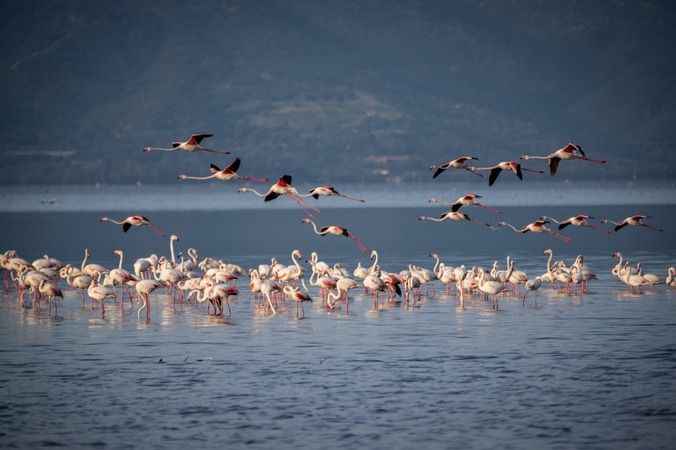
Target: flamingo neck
x,y
119,266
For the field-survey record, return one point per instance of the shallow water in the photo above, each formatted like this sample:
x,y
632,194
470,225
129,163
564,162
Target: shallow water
x,y
592,371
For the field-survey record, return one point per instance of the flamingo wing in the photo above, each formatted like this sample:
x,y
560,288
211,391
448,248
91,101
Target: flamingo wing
x,y
438,172
270,196
517,171
620,226
286,179
199,137
234,166
126,226
563,225
214,168
494,175
553,165
579,149
456,206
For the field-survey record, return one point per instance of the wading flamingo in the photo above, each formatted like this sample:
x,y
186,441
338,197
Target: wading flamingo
x,y
192,144
337,231
229,173
457,163
298,296
568,152
506,165
636,220
144,288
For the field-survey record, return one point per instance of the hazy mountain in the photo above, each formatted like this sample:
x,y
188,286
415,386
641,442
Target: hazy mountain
x,y
324,90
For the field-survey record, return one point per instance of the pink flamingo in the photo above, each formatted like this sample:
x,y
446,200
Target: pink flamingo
x,y
229,173
337,231
470,199
457,163
192,144
506,165
539,226
569,152
637,220
133,221
329,191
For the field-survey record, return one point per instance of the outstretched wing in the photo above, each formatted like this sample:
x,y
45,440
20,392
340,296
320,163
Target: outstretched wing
x,y
234,166
214,168
518,172
199,137
438,172
553,165
579,149
494,175
620,226
270,196
126,226
456,206
563,225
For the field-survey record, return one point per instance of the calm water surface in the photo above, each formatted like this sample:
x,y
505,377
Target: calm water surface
x,y
592,371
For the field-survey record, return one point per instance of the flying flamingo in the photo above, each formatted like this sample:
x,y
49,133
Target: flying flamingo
x,y
455,216
133,221
580,220
505,165
337,231
329,191
470,199
457,163
636,220
568,152
192,144
539,226
228,173
281,187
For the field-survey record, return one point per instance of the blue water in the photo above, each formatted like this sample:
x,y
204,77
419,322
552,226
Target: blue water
x,y
592,371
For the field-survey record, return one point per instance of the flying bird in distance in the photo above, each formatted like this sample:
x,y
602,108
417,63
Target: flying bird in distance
x,y
457,163
337,230
134,221
637,220
329,191
282,186
513,166
471,199
568,152
538,226
192,144
228,173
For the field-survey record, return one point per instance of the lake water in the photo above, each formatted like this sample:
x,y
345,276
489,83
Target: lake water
x,y
592,371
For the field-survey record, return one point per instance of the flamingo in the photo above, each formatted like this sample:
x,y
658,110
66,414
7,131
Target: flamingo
x,y
93,270
267,289
580,220
144,288
539,226
299,297
470,199
455,216
457,163
282,186
649,278
336,231
569,152
329,191
531,286
133,221
51,291
671,277
506,165
100,294
192,144
228,173
491,287
636,220
343,286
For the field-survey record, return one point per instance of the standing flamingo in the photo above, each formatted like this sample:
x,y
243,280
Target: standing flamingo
x,y
228,173
457,163
144,288
192,144
329,191
538,226
299,297
636,220
568,152
506,165
133,221
337,231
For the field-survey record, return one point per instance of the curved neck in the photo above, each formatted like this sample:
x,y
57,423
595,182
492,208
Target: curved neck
x,y
119,266
375,261
295,261
314,227
436,264
173,255
333,296
549,262
84,260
